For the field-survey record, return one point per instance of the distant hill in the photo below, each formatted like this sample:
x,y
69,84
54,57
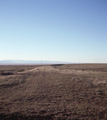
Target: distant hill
x,y
25,62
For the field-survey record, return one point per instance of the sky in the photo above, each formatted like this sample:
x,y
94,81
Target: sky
x,y
56,30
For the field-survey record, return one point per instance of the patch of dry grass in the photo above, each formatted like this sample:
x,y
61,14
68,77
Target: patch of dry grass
x,y
44,95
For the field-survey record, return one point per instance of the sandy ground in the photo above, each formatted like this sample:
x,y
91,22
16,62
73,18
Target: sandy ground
x,y
53,69
96,81
67,71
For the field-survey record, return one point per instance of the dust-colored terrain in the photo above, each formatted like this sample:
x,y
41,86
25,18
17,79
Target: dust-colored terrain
x,y
53,92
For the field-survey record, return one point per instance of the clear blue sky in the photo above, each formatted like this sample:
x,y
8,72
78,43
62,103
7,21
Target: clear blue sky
x,y
57,30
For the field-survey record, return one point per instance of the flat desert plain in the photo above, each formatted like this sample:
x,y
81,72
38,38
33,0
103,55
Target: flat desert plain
x,y
53,92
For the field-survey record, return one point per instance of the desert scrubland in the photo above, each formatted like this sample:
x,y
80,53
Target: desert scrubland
x,y
53,92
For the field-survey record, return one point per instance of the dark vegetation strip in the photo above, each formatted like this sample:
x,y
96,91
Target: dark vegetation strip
x,y
12,84
6,73
22,117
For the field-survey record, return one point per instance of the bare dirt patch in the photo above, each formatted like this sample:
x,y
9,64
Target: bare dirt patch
x,y
54,69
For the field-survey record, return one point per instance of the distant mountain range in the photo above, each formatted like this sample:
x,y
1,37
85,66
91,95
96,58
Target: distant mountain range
x,y
27,62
